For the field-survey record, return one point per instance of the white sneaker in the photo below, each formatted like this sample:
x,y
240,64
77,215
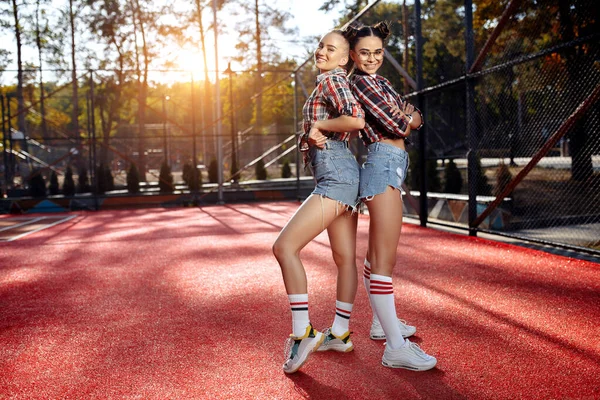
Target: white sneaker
x,y
410,357
338,343
298,349
377,332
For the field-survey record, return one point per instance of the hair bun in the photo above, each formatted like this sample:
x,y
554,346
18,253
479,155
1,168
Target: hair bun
x,y
383,28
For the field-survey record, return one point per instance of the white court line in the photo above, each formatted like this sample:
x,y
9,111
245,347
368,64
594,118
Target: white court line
x,y
31,221
42,228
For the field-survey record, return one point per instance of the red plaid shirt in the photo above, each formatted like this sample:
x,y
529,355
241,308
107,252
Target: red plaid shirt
x,y
377,96
331,98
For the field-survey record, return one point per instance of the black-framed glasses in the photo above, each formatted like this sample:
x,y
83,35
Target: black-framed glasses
x,y
366,54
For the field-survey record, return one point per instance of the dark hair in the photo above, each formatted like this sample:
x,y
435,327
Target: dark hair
x,y
354,34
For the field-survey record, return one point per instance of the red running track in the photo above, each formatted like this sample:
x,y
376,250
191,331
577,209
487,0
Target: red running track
x,y
190,304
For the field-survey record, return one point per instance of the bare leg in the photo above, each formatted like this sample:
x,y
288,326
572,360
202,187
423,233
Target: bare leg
x,y
385,226
342,237
314,215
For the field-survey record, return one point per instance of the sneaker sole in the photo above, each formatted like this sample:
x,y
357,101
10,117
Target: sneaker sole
x,y
382,337
340,348
306,358
390,364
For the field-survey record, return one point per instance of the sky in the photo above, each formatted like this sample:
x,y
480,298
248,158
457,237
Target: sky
x,y
306,17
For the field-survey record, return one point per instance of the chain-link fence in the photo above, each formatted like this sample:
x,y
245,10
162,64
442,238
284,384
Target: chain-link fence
x,y
511,143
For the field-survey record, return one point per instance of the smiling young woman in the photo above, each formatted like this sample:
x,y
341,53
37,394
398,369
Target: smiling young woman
x,y
330,114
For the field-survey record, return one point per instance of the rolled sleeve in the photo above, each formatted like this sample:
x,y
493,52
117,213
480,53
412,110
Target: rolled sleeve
x,y
338,91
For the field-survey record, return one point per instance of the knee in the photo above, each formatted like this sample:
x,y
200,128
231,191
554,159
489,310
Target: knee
x,y
281,250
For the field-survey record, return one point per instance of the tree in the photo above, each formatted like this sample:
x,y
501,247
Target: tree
x,y
286,171
83,185
252,39
452,178
69,183
260,171
133,179
213,171
37,185
165,178
53,186
17,26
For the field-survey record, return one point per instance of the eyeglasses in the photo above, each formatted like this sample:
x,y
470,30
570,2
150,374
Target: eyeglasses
x,y
365,54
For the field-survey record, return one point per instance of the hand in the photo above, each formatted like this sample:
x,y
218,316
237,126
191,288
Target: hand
x,y
316,138
408,108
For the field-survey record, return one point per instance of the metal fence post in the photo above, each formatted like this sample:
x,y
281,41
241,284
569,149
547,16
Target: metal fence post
x,y
470,119
423,203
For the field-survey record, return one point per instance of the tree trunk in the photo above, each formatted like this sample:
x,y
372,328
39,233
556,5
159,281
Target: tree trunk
x,y
581,158
38,42
74,84
20,98
206,99
258,110
142,92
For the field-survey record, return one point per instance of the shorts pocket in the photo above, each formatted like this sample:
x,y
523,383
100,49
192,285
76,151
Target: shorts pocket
x,y
347,169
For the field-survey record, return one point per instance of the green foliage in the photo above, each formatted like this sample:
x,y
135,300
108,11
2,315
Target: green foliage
x,y
213,171
453,180
53,186
83,185
37,185
68,183
165,178
133,179
286,171
260,170
503,178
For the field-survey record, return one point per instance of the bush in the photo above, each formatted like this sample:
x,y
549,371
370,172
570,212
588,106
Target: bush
x,y
483,187
503,178
165,178
83,185
233,172
286,171
414,177
104,179
260,170
37,185
188,177
213,171
133,179
453,178
53,186
69,183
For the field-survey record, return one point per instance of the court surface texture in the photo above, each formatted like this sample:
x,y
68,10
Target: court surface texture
x,y
189,303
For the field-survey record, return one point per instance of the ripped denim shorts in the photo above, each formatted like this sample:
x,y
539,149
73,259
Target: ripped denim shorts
x,y
386,165
336,172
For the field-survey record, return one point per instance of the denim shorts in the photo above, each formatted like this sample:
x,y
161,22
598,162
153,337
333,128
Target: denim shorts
x,y
386,165
336,172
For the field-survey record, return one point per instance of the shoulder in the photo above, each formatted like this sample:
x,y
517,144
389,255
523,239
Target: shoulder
x,y
337,80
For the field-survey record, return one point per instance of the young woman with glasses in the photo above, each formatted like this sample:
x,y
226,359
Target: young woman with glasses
x,y
389,119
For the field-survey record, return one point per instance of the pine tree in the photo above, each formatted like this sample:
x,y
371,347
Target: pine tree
x,y
165,178
133,179
53,187
69,183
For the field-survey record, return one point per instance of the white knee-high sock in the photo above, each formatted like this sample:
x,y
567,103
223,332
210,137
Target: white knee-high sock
x,y
382,300
366,281
299,306
341,321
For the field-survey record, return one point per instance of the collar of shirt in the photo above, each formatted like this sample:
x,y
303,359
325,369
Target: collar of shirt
x,y
336,71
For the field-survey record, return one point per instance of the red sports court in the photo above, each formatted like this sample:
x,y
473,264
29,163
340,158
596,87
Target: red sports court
x,y
189,303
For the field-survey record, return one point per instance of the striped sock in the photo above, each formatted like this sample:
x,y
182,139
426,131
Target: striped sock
x,y
342,318
367,282
299,306
382,299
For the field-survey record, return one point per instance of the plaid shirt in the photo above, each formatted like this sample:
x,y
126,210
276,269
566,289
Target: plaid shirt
x,y
377,96
331,98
